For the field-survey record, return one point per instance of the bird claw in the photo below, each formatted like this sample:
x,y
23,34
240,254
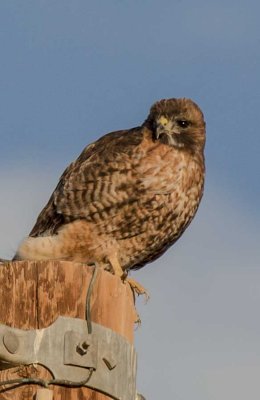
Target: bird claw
x,y
137,288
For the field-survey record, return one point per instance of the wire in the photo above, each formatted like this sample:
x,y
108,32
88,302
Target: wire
x,y
88,298
42,382
64,382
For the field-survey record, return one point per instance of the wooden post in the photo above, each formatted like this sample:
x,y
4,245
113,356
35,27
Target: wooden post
x,y
34,294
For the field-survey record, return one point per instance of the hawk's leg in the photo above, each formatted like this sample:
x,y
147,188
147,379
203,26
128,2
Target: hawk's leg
x,y
115,264
135,286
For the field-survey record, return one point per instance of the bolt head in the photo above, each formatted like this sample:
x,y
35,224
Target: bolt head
x,y
82,347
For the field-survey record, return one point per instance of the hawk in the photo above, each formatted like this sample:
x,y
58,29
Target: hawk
x,y
129,196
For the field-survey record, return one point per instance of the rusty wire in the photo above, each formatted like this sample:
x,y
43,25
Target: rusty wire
x,y
88,298
41,382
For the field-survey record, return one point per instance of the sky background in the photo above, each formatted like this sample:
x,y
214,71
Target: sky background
x,y
73,70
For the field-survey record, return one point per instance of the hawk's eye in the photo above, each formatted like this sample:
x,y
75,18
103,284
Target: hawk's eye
x,y
182,123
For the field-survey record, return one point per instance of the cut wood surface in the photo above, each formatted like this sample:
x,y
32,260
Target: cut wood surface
x,y
34,294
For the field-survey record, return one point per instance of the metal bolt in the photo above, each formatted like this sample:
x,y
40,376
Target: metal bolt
x,y
11,342
82,347
85,345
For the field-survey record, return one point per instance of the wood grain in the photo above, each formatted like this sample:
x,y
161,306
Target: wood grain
x,y
34,294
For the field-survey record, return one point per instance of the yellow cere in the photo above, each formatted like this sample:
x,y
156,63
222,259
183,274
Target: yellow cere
x,y
163,120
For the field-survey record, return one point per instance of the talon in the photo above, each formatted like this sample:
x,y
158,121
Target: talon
x,y
118,271
137,288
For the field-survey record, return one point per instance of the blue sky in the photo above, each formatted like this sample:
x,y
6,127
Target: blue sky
x,y
71,71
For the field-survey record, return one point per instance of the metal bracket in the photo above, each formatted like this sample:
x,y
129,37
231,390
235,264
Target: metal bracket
x,y
68,351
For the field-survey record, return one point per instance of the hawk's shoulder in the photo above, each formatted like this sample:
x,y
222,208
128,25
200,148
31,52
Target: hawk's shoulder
x,y
113,142
96,162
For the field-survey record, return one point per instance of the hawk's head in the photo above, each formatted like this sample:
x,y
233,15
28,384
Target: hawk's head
x,y
178,123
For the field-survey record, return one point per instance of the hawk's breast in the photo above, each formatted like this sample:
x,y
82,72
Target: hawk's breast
x,y
172,183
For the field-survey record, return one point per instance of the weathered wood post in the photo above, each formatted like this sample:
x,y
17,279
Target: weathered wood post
x,y
33,295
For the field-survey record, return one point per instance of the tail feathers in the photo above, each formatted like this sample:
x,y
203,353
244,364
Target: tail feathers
x,y
39,248
76,241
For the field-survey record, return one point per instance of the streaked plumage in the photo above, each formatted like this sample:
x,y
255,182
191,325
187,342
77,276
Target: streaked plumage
x,y
129,195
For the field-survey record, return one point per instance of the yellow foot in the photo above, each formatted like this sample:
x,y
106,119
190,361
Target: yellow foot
x,y
137,288
115,264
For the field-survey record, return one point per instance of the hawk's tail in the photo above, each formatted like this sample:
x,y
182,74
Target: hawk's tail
x,y
39,248
74,241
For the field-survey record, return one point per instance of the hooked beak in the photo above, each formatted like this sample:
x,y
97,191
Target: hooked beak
x,y
161,126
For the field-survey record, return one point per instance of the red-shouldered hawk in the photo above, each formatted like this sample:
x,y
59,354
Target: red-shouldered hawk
x,y
129,195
